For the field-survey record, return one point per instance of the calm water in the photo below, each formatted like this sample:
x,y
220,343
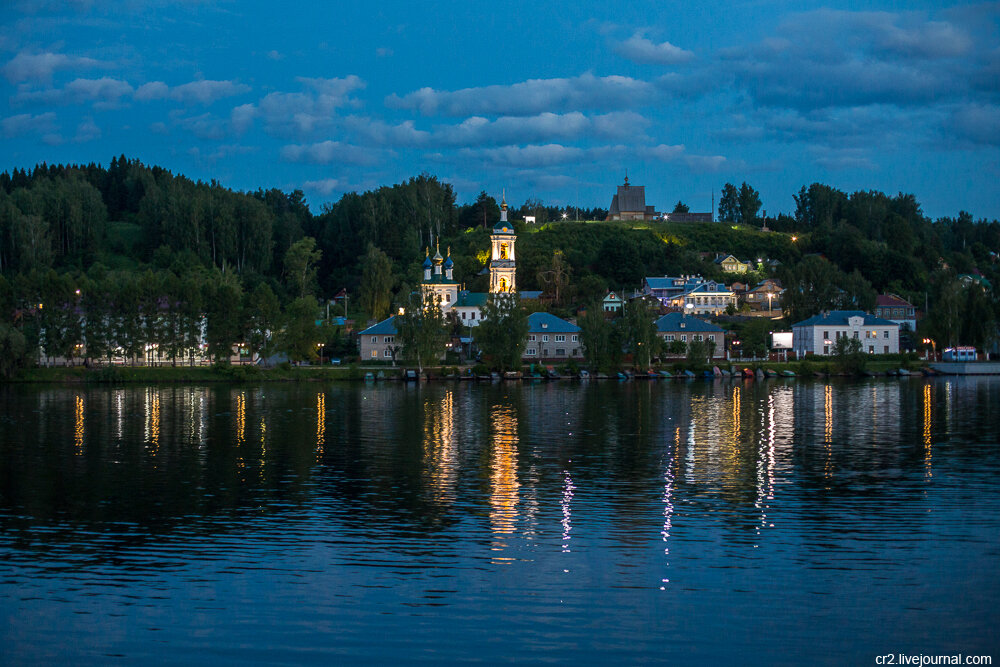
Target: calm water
x,y
754,523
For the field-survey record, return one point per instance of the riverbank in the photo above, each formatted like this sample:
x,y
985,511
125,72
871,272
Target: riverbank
x,y
284,373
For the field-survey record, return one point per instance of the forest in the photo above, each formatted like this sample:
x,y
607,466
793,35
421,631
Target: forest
x,y
150,252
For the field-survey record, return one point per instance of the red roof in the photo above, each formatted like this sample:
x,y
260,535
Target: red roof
x,y
891,301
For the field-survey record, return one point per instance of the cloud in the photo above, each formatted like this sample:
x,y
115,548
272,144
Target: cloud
x,y
380,133
544,127
87,130
26,123
327,152
39,67
325,187
828,58
531,97
241,118
104,92
846,159
641,50
976,123
202,92
274,55
304,113
383,52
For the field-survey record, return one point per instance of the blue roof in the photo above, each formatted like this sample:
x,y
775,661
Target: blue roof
x,y
503,227
672,322
530,294
471,299
548,323
838,318
448,263
427,262
386,326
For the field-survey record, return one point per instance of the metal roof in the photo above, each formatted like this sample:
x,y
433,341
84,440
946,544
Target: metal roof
x,y
839,318
386,326
549,323
672,322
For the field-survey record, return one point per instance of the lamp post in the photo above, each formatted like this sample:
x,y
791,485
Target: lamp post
x,y
933,344
769,296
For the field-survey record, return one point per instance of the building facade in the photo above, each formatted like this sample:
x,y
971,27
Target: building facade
x,y
378,342
818,335
551,338
897,309
681,327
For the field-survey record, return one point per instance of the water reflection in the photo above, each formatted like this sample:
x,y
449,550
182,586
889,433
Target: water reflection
x,y
503,472
440,448
78,430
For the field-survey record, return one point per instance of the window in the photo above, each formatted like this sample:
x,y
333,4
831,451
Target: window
x,y
560,352
826,349
684,338
871,349
545,338
697,337
503,251
374,339
886,349
711,337
374,354
670,338
387,339
387,353
560,338
885,334
472,315
531,338
530,352
575,338
856,335
463,314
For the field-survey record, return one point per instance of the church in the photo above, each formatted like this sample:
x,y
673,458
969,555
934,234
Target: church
x,y
440,284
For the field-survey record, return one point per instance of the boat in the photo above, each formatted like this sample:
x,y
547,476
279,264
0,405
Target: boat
x,y
748,372
716,371
512,375
410,375
903,372
584,374
381,376
369,377
494,377
689,374
788,373
652,375
726,373
622,376
708,375
666,375
552,374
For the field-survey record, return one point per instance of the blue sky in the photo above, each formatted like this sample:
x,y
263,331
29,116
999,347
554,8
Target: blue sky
x,y
550,101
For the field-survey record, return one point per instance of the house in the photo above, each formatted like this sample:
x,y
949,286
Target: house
x,y
665,287
818,334
378,342
766,296
686,329
706,298
551,338
612,303
468,309
630,204
897,309
730,264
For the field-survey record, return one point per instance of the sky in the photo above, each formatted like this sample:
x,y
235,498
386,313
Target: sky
x,y
548,101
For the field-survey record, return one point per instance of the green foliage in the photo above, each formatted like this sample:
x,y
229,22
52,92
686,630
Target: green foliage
x,y
13,351
815,285
848,356
601,339
639,332
301,265
300,338
422,332
503,332
376,283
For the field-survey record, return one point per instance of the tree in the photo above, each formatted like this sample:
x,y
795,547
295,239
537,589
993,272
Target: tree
x,y
376,283
263,313
300,337
681,207
848,356
749,204
599,338
502,333
729,204
223,298
422,332
557,275
300,265
698,351
640,332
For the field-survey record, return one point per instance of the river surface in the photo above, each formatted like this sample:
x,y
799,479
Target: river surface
x,y
779,522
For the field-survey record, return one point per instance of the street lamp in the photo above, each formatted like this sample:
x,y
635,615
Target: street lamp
x,y
565,215
930,341
769,296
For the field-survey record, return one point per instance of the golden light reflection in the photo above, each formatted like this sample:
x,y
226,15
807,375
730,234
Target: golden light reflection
x,y
320,425
440,451
503,472
263,447
927,430
153,420
241,428
737,414
79,426
566,505
828,429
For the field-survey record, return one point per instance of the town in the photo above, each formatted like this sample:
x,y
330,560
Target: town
x,y
405,278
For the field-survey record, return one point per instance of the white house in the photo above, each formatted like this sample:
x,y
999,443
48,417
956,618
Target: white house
x,y
819,334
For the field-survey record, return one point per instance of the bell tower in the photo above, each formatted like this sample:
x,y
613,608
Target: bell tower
x,y
502,266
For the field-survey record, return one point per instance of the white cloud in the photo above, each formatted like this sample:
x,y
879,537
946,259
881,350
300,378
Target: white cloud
x,y
327,152
26,123
202,92
531,97
642,50
325,187
39,67
87,130
104,92
304,113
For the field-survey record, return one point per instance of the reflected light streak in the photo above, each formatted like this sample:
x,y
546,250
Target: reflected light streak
x,y
828,429
737,407
440,456
153,420
668,502
263,447
503,471
567,511
927,430
241,425
78,427
320,425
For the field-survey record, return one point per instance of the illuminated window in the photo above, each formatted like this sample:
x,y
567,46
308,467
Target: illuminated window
x,y
503,251
374,354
